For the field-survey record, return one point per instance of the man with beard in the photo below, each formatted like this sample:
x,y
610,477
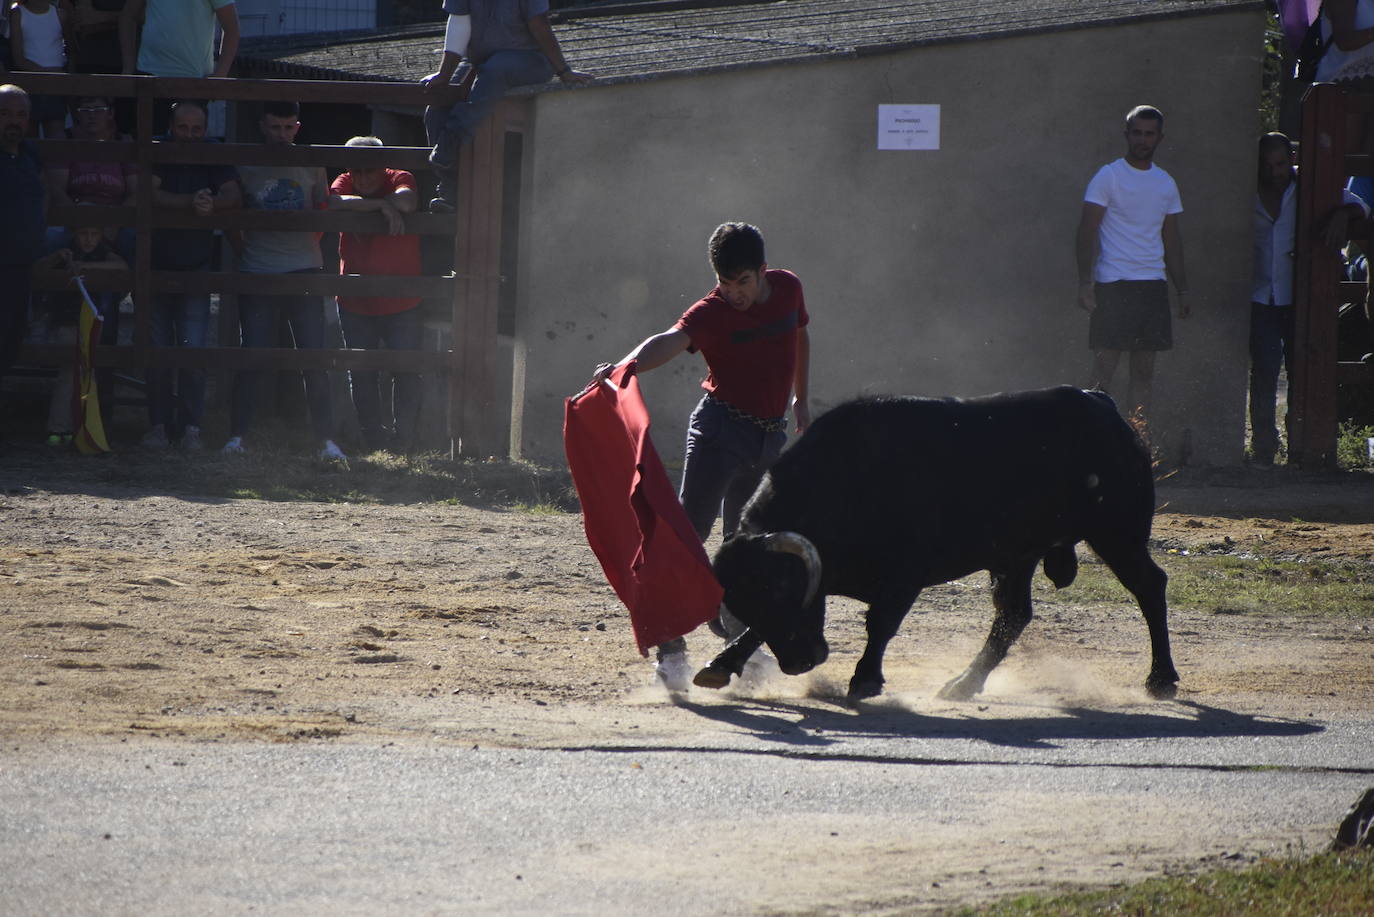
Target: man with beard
x,y
22,201
1128,247
1271,297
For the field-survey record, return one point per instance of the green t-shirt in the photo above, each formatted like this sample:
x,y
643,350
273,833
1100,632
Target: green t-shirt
x,y
179,37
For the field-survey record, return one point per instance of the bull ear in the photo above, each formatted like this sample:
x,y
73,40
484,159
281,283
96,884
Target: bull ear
x,y
798,546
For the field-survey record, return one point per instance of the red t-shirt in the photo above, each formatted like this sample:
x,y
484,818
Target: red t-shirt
x,y
377,252
103,183
751,356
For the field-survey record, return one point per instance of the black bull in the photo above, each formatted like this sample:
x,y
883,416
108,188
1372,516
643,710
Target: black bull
x,y
882,497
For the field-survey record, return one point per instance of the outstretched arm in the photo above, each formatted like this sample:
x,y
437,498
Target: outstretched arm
x,y
652,353
548,43
456,35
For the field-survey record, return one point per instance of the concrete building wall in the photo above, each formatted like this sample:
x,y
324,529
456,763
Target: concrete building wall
x,y
946,272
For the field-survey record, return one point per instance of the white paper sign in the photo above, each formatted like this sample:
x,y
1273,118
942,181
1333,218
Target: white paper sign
x,y
908,127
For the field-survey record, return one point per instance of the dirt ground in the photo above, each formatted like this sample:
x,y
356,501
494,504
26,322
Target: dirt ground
x,y
133,612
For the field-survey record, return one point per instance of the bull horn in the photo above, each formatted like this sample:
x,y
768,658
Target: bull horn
x,y
794,544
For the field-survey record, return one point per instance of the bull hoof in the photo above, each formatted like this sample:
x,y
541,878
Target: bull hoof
x,y
712,677
961,688
1164,691
862,690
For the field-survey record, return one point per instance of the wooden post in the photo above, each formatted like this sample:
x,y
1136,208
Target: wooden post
x,y
1312,417
473,410
143,234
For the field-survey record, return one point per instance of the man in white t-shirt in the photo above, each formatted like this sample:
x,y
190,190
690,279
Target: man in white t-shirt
x,y
1128,248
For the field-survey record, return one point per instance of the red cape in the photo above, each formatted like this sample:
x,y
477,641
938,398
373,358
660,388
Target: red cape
x,y
635,525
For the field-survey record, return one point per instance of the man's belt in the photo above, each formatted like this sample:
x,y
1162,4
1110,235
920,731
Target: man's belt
x,y
766,424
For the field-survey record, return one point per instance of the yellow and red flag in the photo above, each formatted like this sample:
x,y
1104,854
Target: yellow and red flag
x,y
90,430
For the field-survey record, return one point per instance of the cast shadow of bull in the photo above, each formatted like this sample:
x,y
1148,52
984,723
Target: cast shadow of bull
x,y
826,731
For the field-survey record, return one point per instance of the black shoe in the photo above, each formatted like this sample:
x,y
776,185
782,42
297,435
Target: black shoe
x,y
439,205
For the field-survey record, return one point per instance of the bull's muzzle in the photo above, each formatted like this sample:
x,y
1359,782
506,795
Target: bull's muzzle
x,y
801,656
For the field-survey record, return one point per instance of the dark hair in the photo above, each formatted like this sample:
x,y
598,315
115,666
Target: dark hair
x,y
1148,112
735,247
195,103
282,110
1274,141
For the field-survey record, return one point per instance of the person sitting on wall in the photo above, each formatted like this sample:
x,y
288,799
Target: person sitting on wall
x,y
372,321
502,44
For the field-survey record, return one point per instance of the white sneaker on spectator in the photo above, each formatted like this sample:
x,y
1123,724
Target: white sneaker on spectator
x,y
156,438
332,453
674,672
234,446
190,440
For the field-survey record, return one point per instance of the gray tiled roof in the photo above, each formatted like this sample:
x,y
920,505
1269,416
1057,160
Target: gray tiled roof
x,y
636,42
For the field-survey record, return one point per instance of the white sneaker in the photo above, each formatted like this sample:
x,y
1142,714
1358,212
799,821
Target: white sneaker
x,y
674,672
234,446
156,438
190,440
332,453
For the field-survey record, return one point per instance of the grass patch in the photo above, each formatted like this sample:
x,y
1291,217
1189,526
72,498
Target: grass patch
x,y
289,475
1329,884
1352,446
1229,584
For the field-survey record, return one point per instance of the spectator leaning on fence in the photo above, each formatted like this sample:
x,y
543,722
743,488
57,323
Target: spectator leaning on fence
x,y
369,322
23,199
501,44
183,319
107,183
282,189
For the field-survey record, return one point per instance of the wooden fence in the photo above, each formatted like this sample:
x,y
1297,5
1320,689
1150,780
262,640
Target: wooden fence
x,y
474,407
1333,148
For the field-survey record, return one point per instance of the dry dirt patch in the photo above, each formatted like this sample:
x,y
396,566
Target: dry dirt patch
x,y
136,613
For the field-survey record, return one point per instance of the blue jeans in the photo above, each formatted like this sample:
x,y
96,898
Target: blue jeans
x,y
449,128
258,324
726,457
179,320
379,416
1271,345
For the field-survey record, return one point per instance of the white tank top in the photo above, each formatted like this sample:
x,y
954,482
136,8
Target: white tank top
x,y
1337,65
43,37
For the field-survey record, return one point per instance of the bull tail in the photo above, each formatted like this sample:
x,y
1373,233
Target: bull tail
x,y
1061,565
